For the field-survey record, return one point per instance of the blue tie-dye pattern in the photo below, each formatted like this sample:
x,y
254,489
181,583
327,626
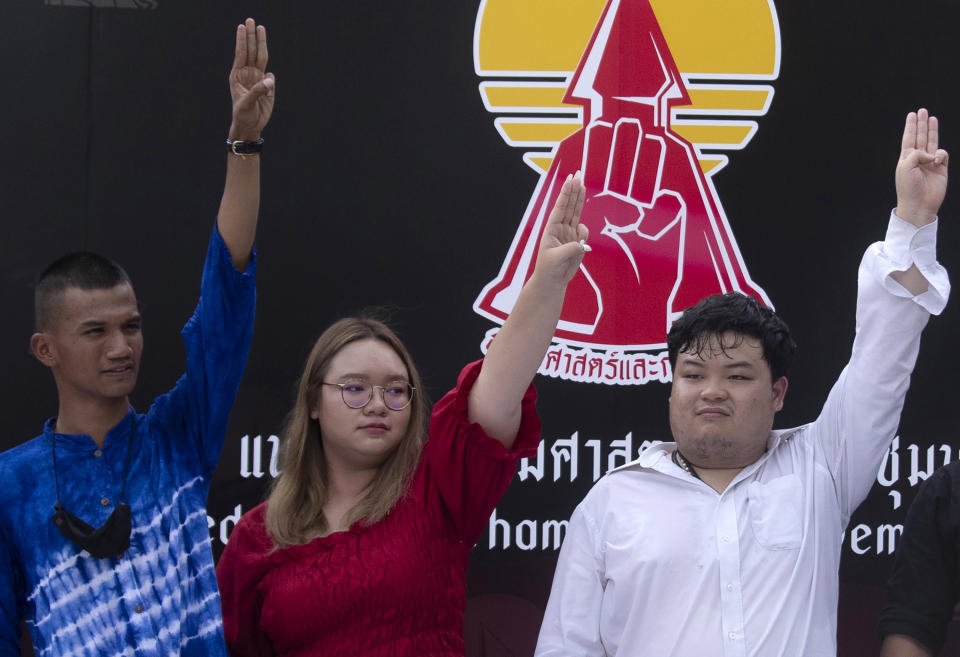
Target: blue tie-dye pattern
x,y
78,606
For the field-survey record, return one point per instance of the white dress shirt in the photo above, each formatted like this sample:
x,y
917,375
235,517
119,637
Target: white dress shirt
x,y
655,562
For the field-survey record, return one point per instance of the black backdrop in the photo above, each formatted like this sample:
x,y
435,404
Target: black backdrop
x,y
380,156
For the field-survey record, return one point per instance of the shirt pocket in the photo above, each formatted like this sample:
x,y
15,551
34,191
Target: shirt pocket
x,y
774,508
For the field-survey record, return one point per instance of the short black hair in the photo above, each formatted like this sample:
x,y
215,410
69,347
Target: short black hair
x,y
735,313
82,269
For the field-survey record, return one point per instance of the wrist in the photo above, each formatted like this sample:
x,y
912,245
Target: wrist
x,y
547,283
914,215
244,148
240,133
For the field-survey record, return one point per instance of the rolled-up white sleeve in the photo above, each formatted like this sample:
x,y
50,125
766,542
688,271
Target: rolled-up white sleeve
x,y
906,245
862,412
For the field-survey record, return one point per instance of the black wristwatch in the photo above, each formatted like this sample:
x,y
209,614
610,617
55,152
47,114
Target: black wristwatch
x,y
245,147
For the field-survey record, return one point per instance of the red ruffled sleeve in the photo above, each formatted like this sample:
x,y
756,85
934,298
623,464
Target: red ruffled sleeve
x,y
470,469
243,564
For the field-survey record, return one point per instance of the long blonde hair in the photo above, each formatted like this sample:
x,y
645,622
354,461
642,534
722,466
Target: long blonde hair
x,y
294,513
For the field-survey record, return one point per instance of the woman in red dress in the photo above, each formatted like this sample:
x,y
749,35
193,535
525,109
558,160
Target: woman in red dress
x,y
362,546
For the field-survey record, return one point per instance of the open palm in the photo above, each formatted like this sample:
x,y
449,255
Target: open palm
x,y
921,177
251,87
560,245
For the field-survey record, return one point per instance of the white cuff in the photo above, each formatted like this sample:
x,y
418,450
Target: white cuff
x,y
905,244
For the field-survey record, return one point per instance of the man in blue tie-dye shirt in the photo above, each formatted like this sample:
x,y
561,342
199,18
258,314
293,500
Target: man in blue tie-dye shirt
x,y
154,593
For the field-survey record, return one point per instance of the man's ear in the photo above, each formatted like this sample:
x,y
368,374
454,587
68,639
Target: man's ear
x,y
43,349
779,392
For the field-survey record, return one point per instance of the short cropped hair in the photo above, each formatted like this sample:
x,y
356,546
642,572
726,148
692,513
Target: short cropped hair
x,y
735,313
84,270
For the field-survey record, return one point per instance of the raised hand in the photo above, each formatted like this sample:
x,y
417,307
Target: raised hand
x,y
517,351
563,242
921,177
251,87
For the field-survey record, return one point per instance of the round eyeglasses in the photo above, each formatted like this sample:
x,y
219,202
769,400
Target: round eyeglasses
x,y
396,396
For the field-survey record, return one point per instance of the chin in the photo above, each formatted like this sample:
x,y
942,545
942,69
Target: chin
x,y
709,449
121,392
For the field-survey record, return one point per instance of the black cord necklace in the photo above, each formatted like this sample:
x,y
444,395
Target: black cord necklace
x,y
683,464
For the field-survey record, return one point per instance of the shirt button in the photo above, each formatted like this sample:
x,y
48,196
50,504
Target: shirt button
x,y
139,610
729,587
726,539
98,453
732,636
104,501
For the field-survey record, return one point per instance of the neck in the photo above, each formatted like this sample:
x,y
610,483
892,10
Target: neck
x,y
345,488
345,484
716,478
93,419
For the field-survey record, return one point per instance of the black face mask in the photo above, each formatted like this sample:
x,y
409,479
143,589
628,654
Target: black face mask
x,y
109,540
112,538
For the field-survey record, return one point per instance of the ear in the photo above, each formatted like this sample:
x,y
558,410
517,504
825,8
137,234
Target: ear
x,y
315,408
779,392
43,349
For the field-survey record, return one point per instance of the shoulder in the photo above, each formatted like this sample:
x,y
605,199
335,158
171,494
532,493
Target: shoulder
x,y
249,553
246,560
450,422
642,465
797,444
949,472
25,457
617,487
936,507
452,407
25,471
250,535
254,521
943,483
617,502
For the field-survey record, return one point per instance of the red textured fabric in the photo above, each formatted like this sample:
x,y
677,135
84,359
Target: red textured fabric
x,y
395,588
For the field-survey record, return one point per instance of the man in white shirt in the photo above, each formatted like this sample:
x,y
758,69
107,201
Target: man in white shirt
x,y
727,541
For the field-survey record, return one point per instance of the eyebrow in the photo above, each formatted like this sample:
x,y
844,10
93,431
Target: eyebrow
x,y
691,361
366,377
99,323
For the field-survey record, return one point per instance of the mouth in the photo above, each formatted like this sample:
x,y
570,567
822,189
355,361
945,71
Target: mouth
x,y
119,370
375,427
712,412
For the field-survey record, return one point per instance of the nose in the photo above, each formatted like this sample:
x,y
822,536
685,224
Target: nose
x,y
377,405
714,389
118,347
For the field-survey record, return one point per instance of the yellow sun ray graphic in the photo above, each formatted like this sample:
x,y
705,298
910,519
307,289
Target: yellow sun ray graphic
x,y
525,51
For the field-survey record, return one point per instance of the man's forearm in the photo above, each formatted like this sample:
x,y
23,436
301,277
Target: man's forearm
x,y
240,207
252,92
